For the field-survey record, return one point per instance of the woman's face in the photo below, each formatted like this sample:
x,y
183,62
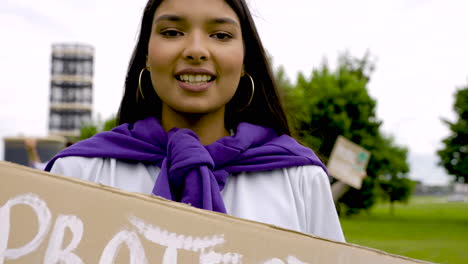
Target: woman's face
x,y
195,55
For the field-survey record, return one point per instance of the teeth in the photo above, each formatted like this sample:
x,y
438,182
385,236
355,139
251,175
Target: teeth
x,y
195,78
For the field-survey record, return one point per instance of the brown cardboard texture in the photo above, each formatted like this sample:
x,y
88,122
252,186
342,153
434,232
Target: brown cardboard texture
x,y
348,162
50,219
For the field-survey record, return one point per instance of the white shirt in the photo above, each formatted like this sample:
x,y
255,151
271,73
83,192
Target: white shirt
x,y
297,198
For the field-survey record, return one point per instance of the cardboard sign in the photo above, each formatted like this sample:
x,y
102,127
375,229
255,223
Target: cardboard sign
x,y
348,162
51,219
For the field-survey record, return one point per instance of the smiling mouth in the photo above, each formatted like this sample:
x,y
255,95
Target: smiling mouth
x,y
195,79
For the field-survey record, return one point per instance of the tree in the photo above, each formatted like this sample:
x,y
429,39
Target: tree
x,y
109,124
393,181
332,103
397,189
89,130
454,155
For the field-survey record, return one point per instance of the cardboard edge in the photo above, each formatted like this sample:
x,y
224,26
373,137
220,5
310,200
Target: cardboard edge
x,y
192,210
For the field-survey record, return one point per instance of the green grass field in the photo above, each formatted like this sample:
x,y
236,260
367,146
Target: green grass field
x,y
428,228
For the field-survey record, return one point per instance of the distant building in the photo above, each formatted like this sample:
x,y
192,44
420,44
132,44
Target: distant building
x,y
71,86
47,147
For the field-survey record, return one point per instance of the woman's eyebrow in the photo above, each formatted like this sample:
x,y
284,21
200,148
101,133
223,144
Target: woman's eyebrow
x,y
224,20
176,18
169,17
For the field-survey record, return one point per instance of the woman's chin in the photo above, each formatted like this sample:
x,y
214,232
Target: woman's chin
x,y
198,110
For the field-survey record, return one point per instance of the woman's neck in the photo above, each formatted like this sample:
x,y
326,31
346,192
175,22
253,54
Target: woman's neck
x,y
208,127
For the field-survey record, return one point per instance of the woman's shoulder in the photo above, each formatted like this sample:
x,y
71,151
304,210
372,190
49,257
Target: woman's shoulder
x,y
296,175
78,167
306,175
74,161
130,176
297,180
306,171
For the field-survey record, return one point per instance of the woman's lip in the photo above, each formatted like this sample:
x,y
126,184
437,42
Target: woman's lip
x,y
194,88
195,71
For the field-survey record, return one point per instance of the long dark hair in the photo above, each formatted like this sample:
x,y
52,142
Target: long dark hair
x,y
265,109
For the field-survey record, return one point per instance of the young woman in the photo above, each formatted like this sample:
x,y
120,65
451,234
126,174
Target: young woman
x,y
201,123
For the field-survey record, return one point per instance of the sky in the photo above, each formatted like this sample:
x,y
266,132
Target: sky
x,y
420,48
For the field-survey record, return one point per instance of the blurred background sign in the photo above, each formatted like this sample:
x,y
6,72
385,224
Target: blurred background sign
x,y
348,162
47,147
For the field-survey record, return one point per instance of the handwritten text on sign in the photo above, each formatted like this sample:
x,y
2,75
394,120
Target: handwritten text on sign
x,y
57,253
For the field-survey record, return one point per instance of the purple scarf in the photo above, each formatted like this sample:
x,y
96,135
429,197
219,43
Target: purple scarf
x,y
190,172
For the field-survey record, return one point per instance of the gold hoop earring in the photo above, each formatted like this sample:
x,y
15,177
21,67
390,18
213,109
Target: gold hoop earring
x,y
140,90
251,95
253,89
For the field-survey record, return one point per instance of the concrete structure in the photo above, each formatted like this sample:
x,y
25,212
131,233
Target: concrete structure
x,y
47,147
71,88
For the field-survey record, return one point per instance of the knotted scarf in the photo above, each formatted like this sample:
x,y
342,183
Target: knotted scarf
x,y
190,172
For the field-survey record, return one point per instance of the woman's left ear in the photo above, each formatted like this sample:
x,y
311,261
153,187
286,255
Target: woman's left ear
x,y
243,71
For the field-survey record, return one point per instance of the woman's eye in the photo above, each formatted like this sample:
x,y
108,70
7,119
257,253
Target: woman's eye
x,y
171,33
221,36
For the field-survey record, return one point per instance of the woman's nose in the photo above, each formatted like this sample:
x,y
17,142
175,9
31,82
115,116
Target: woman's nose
x,y
196,49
